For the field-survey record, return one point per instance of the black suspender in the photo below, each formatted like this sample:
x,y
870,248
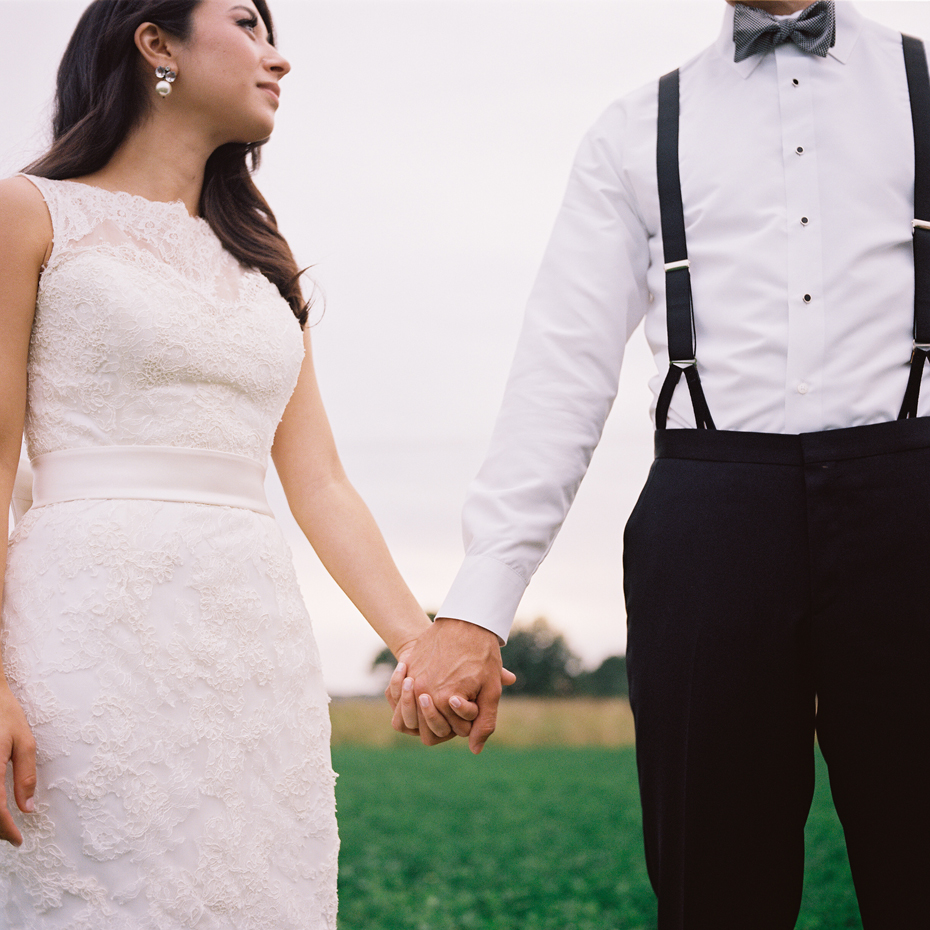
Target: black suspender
x,y
679,307
918,86
679,310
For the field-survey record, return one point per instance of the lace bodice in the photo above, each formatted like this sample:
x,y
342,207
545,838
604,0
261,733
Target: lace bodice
x,y
147,332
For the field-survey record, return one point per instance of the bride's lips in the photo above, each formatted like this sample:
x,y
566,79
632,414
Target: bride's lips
x,y
272,89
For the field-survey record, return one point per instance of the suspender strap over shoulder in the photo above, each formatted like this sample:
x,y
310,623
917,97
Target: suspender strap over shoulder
x,y
679,309
918,85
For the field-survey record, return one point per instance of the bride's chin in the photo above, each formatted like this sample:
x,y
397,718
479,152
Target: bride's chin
x,y
249,134
257,137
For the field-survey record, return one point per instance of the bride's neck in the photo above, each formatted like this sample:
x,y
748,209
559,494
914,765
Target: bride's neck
x,y
158,162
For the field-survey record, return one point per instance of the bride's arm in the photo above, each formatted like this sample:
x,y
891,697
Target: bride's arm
x,y
343,532
25,241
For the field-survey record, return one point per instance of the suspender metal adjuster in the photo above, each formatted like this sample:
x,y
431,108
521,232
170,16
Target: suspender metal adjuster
x,y
920,224
674,266
683,363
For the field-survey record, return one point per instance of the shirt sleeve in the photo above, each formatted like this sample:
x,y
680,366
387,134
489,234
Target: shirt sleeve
x,y
588,297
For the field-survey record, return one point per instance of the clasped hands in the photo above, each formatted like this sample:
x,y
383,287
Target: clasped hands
x,y
448,683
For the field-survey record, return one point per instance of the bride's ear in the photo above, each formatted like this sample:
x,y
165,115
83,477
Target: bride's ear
x,y
156,46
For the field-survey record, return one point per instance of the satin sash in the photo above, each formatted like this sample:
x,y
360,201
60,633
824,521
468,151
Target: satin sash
x,y
158,473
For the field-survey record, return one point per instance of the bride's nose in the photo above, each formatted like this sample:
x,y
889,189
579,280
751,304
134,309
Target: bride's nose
x,y
277,64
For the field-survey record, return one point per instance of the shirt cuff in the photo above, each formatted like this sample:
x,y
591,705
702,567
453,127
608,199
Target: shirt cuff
x,y
485,592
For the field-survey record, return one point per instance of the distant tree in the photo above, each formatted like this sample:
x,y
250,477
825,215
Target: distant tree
x,y
384,659
607,680
541,660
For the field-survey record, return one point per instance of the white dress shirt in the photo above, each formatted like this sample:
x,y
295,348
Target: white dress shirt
x,y
797,177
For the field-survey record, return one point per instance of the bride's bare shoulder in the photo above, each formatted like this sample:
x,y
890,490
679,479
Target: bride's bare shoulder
x,y
20,193
25,224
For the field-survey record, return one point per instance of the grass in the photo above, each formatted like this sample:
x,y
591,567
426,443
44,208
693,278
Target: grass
x,y
829,898
520,838
544,838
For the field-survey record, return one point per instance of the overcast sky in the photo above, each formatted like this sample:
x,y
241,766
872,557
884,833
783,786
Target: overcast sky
x,y
420,156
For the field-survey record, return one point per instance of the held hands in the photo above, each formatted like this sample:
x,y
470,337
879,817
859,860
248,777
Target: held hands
x,y
17,746
448,683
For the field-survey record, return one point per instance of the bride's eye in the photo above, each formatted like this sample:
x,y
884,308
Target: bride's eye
x,y
251,23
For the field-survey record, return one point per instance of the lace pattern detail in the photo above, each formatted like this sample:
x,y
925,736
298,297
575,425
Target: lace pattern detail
x,y
148,333
174,688
185,243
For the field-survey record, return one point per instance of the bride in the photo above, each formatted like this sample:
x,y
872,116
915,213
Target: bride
x,y
165,717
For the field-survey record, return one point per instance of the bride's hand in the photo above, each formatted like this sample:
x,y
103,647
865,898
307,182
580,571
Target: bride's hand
x,y
400,695
18,746
464,669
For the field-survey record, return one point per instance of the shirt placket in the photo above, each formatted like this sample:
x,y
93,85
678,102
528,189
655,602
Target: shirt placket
x,y
804,273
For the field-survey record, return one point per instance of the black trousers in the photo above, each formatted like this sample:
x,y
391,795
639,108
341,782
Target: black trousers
x,y
777,584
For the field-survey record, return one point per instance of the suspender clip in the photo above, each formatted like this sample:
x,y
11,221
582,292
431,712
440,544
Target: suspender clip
x,y
674,266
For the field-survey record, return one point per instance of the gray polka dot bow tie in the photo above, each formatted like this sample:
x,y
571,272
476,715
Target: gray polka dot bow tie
x,y
756,32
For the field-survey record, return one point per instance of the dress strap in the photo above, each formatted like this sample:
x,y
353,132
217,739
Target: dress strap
x,y
679,307
918,85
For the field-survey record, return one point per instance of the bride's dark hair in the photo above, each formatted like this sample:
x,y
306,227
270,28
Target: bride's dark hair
x,y
101,98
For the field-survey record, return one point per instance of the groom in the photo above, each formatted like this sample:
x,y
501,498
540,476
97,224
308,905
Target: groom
x,y
760,211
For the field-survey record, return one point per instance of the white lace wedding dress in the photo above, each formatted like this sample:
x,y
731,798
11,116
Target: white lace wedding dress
x,y
160,648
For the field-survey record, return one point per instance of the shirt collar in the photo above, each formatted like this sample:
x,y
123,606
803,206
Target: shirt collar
x,y
848,27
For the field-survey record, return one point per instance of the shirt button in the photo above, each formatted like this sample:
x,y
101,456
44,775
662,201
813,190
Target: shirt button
x,y
804,220
795,81
803,387
800,150
807,298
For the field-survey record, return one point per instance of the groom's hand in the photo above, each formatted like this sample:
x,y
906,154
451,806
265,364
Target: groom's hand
x,y
451,684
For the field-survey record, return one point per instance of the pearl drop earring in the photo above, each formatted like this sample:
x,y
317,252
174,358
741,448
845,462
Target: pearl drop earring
x,y
166,77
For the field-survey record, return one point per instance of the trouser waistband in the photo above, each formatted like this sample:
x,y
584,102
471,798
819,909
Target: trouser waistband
x,y
794,449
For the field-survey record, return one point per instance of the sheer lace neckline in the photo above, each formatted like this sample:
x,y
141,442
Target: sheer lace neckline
x,y
171,207
90,217
148,332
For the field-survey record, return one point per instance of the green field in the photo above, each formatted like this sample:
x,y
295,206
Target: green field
x,y
522,839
